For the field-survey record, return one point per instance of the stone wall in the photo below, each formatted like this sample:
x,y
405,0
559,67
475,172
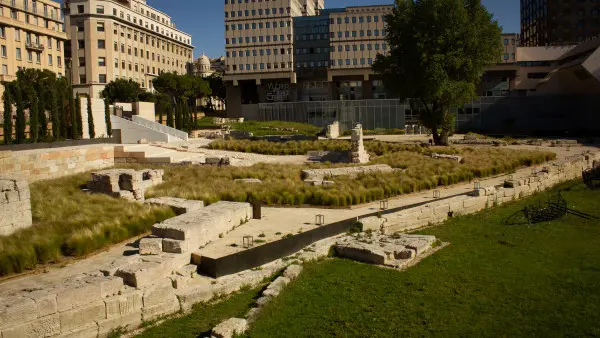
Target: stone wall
x,y
15,205
41,164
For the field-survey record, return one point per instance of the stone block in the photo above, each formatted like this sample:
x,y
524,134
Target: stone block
x,y
158,293
142,274
194,294
361,254
87,331
73,319
44,301
162,309
121,305
47,326
179,205
128,322
230,327
373,223
276,286
16,310
292,271
405,254
176,246
151,246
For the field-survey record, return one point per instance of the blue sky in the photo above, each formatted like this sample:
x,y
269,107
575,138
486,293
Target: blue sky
x,y
204,19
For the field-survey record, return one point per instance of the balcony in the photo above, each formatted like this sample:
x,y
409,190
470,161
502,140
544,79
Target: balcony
x,y
38,47
32,10
7,78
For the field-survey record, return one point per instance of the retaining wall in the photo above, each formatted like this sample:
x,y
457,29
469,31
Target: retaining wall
x,y
41,164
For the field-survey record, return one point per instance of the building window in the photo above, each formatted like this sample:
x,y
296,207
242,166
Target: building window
x,y
3,49
4,69
80,9
82,79
81,61
100,27
59,61
101,44
99,9
18,53
29,56
101,61
102,78
50,59
2,32
38,57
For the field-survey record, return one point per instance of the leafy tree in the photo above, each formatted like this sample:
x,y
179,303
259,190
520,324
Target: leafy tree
x,y
91,127
438,51
107,118
20,122
170,114
8,125
180,89
122,90
217,86
34,126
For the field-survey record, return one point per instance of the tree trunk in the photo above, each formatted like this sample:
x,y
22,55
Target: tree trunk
x,y
443,138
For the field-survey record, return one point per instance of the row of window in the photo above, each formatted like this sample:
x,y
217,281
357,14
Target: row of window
x,y
33,20
284,65
254,12
304,51
49,11
354,19
31,39
261,38
157,28
259,25
38,56
261,52
261,66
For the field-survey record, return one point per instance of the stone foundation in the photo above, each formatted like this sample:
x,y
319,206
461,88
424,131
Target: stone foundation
x,y
319,174
125,183
15,205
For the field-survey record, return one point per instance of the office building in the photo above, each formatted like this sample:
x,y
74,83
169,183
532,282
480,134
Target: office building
x,y
31,36
552,22
122,39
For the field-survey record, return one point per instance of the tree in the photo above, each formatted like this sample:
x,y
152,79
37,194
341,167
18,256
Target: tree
x,y
43,129
73,115
34,126
20,122
438,51
122,90
91,127
107,118
180,89
79,116
217,87
54,114
7,123
63,100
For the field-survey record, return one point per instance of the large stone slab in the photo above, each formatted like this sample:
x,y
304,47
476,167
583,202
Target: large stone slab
x,y
200,227
230,327
179,205
321,174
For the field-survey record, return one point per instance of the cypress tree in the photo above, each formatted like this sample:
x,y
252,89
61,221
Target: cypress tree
x,y
43,129
190,123
107,117
74,132
178,116
54,114
7,115
62,111
91,127
34,126
78,116
160,113
170,116
20,123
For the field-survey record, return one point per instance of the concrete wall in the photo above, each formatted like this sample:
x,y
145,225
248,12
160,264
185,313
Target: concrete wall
x,y
41,164
145,110
131,132
98,116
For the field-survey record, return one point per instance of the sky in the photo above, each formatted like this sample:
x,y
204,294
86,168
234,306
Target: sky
x,y
204,19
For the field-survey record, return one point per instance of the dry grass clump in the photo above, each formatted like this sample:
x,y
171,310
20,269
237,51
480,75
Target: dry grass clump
x,y
282,184
70,222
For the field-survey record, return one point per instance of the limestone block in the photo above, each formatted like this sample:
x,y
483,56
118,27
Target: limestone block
x,y
405,254
43,327
292,271
276,286
73,319
176,246
158,293
248,180
361,253
419,243
475,203
86,290
162,309
373,223
320,174
230,327
194,294
16,310
151,246
196,258
87,331
128,322
121,305
45,302
143,273
179,205
509,192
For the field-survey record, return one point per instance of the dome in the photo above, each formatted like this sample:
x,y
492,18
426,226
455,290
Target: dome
x,y
204,60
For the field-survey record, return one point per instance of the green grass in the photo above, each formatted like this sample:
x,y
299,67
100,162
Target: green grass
x,y
493,280
378,131
283,185
70,222
205,316
206,123
265,128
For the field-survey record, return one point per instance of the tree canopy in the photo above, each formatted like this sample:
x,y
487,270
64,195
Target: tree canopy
x,y
438,51
122,90
181,88
217,86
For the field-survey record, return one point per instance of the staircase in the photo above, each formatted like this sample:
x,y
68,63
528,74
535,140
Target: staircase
x,y
145,153
136,129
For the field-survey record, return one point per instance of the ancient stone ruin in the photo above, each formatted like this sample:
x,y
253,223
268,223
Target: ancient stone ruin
x,y
15,205
125,183
319,176
358,153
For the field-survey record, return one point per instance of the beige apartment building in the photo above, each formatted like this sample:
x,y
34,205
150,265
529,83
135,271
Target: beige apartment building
x,y
121,39
31,36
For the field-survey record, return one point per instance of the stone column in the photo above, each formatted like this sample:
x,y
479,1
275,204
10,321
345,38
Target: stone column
x,y
358,153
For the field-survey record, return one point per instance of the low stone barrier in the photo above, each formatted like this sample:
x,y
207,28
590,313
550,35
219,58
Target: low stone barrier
x,y
125,183
15,205
320,174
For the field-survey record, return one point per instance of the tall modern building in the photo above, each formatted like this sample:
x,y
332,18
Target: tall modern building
x,y
558,22
31,36
122,39
288,50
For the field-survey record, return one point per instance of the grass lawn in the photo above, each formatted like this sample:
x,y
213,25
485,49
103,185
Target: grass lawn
x,y
70,222
493,280
282,184
204,317
260,128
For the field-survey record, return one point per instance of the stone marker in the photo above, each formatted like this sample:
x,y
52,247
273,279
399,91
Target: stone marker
x,y
125,183
15,205
358,154
179,205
